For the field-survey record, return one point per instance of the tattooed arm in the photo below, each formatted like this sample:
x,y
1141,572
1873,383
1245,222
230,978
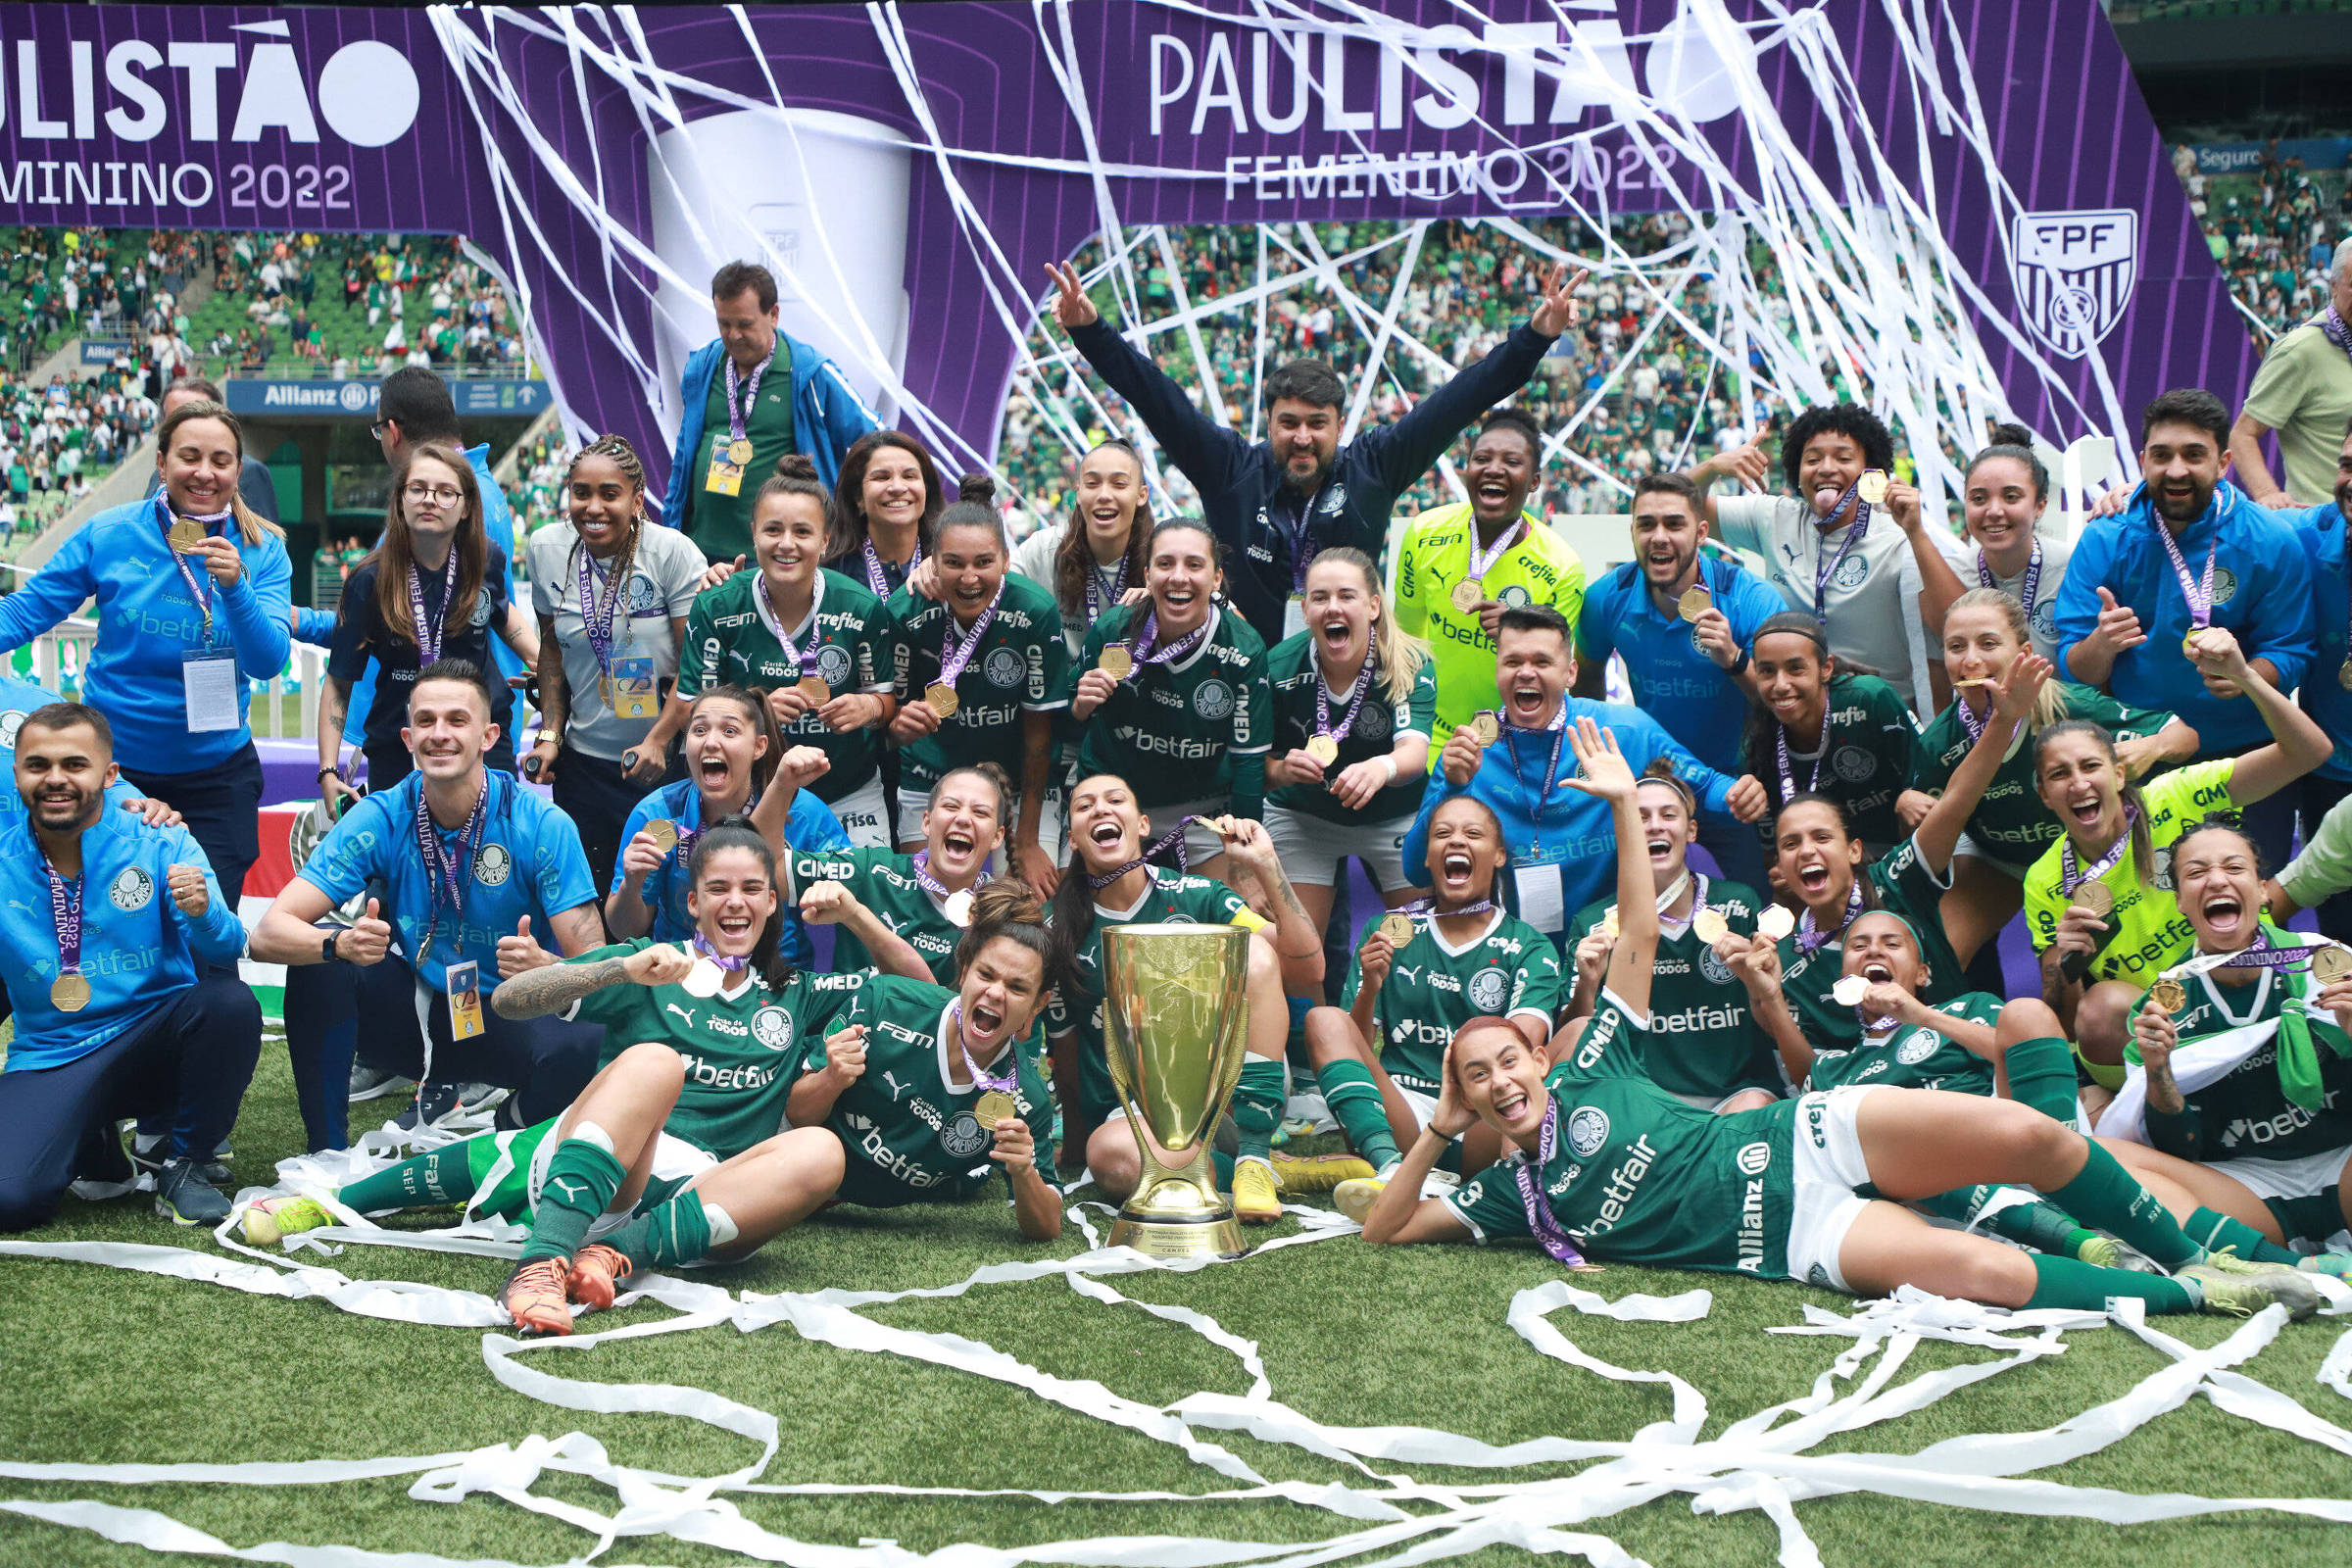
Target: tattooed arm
x,y
556,987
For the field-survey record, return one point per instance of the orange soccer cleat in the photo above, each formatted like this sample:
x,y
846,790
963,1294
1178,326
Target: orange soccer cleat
x,y
595,1275
533,1296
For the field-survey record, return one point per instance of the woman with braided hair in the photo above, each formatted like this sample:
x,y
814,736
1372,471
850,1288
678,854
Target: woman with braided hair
x,y
612,594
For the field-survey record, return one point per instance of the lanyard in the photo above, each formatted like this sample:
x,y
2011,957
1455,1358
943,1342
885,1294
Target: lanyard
x,y
2026,590
1780,740
2069,878
595,617
1810,938
1157,852
1091,581
1176,650
736,417
1481,563
704,949
200,583
1974,726
1002,1085
428,643
1826,564
442,867
1299,534
1551,768
66,910
775,622
1355,701
878,578
2199,594
955,654
1546,1230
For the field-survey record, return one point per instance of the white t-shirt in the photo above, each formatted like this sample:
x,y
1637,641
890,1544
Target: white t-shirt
x,y
1871,597
1033,559
663,582
2043,615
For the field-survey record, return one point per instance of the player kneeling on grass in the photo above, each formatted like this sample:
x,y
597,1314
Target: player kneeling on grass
x,y
631,1175
1607,1162
1377,1056
2237,1105
1972,1045
926,1088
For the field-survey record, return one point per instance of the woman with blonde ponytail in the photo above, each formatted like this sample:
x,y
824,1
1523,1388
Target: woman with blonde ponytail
x,y
192,588
1355,697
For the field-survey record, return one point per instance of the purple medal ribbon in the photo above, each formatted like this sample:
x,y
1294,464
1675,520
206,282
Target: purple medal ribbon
x,y
1974,726
2338,332
875,578
428,643
595,617
2199,594
1546,1230
1810,938
2026,590
704,949
955,654
1826,564
2262,955
200,583
2070,878
1481,563
1299,533
1149,641
1355,701
1095,602
1551,768
1426,910
66,911
1168,846
1789,769
442,867
981,1076
775,625
1885,1026
933,885
738,417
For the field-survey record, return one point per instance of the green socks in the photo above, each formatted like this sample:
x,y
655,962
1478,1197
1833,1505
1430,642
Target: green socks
x,y
2042,1074
449,1174
2063,1282
676,1233
2214,1232
1355,1102
581,1180
2104,1195
1257,1102
2039,1224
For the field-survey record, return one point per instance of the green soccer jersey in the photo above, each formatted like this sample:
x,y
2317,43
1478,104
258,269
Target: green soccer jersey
x,y
1293,674
883,880
907,1130
1863,763
1701,1039
1508,969
1169,897
2010,821
1913,1057
845,643
741,1052
1637,1176
2245,1113
1170,730
1906,887
1021,666
2147,931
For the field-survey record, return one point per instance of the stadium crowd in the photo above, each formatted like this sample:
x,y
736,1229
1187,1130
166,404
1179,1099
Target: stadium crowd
x,y
841,783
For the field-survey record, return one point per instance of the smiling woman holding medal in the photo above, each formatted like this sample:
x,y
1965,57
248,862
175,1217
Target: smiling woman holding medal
x,y
2237,1106
815,642
1354,702
612,594
979,674
925,896
1817,729
1172,694
2099,901
930,1088
192,589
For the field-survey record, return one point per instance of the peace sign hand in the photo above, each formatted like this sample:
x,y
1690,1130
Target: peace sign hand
x,y
1071,308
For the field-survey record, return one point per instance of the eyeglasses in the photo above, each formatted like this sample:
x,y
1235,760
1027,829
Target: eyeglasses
x,y
440,495
375,429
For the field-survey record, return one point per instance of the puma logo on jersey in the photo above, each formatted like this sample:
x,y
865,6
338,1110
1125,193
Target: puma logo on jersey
x,y
896,1088
686,1013
1405,971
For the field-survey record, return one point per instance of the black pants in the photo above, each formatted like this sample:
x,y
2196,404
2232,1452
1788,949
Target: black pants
x,y
187,1065
598,796
545,1061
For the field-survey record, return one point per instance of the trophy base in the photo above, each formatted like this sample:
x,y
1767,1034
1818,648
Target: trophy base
x,y
1209,1235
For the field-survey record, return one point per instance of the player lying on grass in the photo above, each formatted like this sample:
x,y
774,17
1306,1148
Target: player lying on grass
x,y
2237,1105
1377,1055
673,1154
1108,882
1606,1160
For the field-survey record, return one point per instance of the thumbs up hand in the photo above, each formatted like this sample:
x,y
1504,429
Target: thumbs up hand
x,y
521,953
369,939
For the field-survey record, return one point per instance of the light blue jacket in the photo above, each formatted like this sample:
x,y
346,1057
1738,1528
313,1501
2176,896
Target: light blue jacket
x,y
826,415
809,827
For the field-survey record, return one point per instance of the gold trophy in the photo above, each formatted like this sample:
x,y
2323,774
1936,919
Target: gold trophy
x,y
1175,1028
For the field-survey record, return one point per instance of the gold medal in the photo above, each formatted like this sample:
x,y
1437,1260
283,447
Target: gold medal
x,y
957,907
994,1109
1849,990
70,992
1396,929
739,451
1468,596
2343,675
942,698
813,688
2330,964
1693,604
2170,996
2188,645
2096,897
663,832
185,537
1609,923
1323,749
1872,488
1117,662
1487,727
1709,926
1776,923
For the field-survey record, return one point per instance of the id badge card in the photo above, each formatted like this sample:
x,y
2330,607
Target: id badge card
x,y
462,982
724,476
209,680
632,687
1294,617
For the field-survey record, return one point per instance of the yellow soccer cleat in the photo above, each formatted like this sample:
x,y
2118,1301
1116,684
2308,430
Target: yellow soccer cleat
x,y
1319,1173
2227,1283
269,1220
1356,1196
1256,1198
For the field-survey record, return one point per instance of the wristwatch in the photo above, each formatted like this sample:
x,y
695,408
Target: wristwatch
x,y
1740,664
326,948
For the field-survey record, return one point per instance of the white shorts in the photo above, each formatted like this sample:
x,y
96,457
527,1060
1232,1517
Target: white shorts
x,y
1711,1103
863,815
1312,848
2014,870
1828,1167
2307,1177
674,1160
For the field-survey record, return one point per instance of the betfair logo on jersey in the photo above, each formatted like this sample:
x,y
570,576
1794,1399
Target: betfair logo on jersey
x,y
1622,1182
892,1164
1170,746
1698,1020
2288,1122
727,1075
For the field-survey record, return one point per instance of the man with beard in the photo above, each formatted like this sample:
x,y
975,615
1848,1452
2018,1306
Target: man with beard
x,y
1687,663
2188,550
1460,567
1272,504
2320,874
119,958
1562,846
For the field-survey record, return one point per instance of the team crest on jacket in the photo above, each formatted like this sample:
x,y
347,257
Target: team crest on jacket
x,y
1712,968
10,722
1851,572
1853,764
131,889
1004,667
772,1028
1916,1050
1588,1131
1213,699
493,864
2224,585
